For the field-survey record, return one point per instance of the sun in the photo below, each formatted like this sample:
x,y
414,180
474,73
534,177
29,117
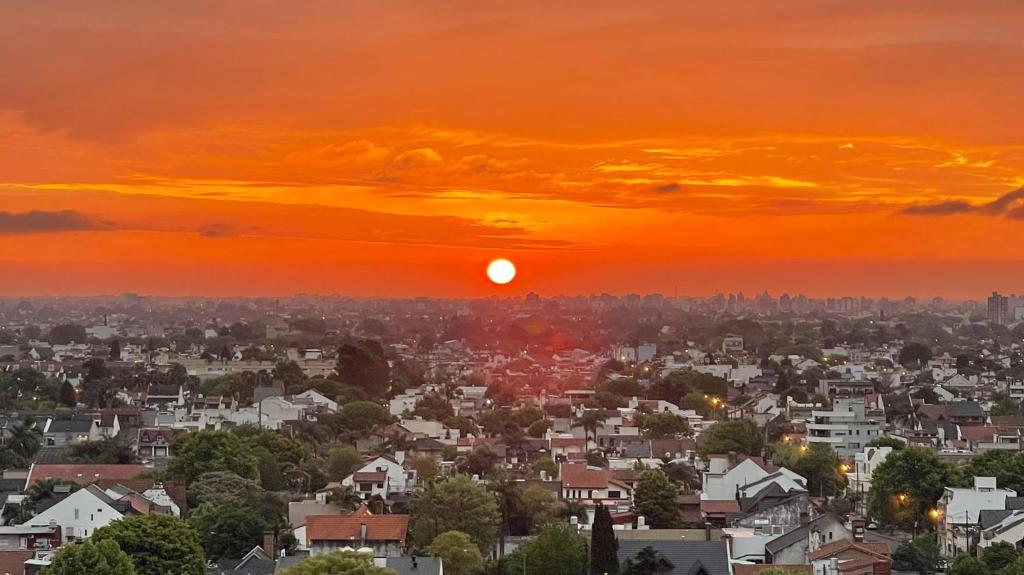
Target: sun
x,y
501,271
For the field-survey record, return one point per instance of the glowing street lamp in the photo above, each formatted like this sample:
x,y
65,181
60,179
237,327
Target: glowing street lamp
x,y
935,514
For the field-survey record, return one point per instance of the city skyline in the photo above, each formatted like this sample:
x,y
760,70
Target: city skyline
x,y
394,149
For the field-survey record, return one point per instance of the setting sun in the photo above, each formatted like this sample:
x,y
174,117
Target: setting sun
x,y
501,271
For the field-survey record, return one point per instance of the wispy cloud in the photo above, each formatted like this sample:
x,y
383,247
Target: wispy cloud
x,y
38,222
1010,205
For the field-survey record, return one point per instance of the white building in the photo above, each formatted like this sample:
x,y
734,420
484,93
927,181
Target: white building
x,y
845,427
858,478
960,507
80,514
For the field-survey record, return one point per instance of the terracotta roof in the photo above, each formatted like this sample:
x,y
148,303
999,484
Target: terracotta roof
x,y
84,473
741,569
978,433
567,442
716,507
374,476
175,489
878,550
347,527
579,476
932,412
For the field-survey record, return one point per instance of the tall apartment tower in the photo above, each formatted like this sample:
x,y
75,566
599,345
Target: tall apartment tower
x,y
998,308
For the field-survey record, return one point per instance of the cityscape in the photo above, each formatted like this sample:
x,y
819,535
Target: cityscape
x,y
443,287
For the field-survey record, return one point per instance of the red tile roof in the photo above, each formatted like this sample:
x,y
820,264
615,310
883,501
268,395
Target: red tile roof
x,y
347,527
375,476
877,550
741,569
579,476
84,473
567,442
978,433
719,507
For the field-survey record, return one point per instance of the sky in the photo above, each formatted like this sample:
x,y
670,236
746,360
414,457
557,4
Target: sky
x,y
394,147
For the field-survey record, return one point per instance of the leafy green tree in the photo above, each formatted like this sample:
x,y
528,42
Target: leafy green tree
x,y
194,454
737,435
103,451
24,437
361,417
458,553
434,407
604,547
663,425
647,561
363,364
906,484
455,504
342,461
536,507
92,557
338,563
66,333
999,555
115,350
1006,466
886,441
223,488
967,565
655,499
921,555
547,465
557,550
914,354
425,466
227,530
538,428
157,544
818,464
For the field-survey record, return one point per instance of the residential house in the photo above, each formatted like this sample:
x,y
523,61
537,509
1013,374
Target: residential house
x,y
154,443
384,534
382,476
960,508
80,514
591,486
83,473
849,557
68,432
686,557
166,396
858,479
792,547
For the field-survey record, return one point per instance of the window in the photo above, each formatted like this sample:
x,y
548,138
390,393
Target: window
x,y
76,513
614,495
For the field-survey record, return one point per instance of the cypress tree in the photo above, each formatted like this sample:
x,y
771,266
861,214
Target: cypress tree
x,y
604,548
115,350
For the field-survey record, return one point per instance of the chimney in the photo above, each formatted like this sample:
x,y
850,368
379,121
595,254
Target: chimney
x,y
805,518
732,459
707,532
362,534
268,543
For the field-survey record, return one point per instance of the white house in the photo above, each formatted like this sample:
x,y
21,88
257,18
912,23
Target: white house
x,y
721,481
960,507
382,476
80,514
859,477
319,399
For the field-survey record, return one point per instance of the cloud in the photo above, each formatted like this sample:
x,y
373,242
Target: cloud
x,y
669,188
1010,205
217,231
939,209
38,222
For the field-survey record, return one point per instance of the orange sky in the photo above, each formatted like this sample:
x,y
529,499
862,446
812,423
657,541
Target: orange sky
x,y
393,147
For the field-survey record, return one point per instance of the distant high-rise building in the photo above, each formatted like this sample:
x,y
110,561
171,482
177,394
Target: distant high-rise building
x,y
998,308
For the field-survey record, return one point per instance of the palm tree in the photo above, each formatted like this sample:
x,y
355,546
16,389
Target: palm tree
x,y
590,420
24,437
507,494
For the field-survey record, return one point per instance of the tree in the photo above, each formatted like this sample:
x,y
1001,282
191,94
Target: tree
x,y
886,441
433,407
1006,466
738,435
225,488
362,364
103,451
361,417
458,553
226,530
557,550
480,461
547,465
906,484
67,333
921,555
425,466
914,354
604,547
663,425
455,504
655,499
157,544
999,555
338,563
647,561
115,350
342,461
590,421
818,464
967,565
91,556
535,509
194,454
68,396
24,437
